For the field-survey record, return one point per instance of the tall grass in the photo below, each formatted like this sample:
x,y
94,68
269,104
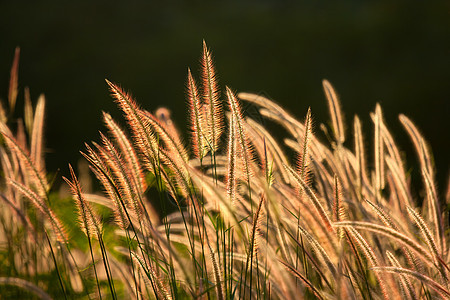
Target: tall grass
x,y
250,222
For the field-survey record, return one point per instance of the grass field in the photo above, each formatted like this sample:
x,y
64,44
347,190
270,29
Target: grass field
x,y
237,210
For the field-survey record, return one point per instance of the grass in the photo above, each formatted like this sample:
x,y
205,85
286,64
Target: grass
x,y
250,222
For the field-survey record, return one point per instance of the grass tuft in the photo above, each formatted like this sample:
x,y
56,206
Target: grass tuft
x,y
216,220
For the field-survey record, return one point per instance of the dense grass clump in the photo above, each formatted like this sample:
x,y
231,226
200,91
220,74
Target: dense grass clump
x,y
250,222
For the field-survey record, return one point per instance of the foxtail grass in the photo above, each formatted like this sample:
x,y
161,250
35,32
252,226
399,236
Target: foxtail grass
x,y
240,217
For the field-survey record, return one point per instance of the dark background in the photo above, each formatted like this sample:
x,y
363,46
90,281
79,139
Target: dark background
x,y
393,52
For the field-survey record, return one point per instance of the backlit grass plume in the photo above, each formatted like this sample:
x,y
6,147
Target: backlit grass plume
x,y
246,215
35,251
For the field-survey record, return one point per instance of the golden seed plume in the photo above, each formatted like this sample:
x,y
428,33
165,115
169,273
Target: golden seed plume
x,y
28,111
360,153
379,151
211,96
243,149
428,237
304,157
121,176
231,165
256,224
13,82
338,210
400,182
217,273
143,138
199,143
417,139
335,111
127,150
37,136
21,136
89,221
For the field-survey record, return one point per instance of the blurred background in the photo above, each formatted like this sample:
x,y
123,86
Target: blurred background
x,y
396,53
